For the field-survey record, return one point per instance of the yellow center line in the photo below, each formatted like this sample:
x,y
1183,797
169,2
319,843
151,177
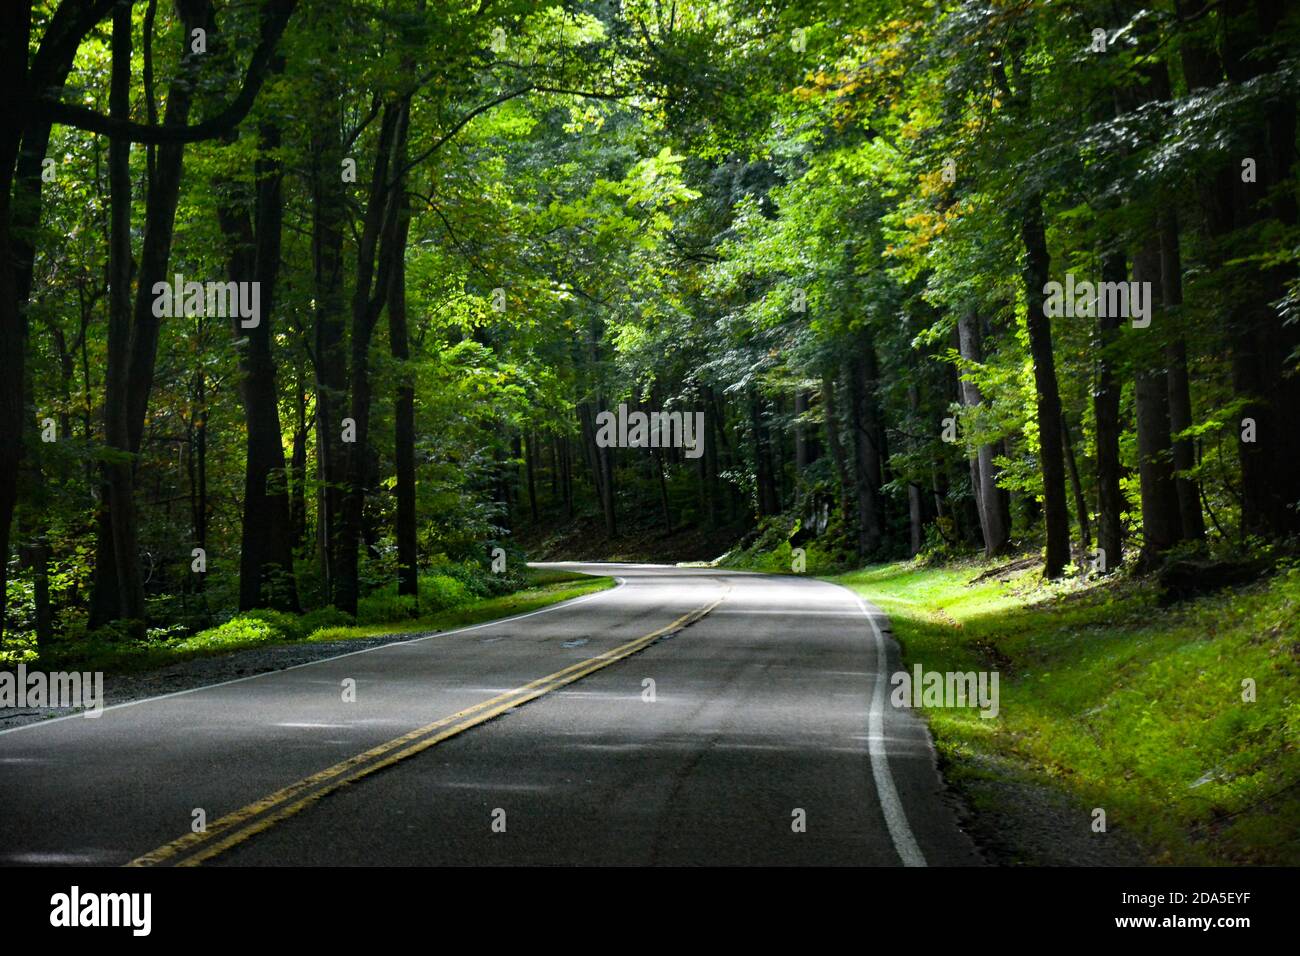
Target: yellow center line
x,y
236,827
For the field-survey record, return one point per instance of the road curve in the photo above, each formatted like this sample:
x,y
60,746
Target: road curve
x,y
690,716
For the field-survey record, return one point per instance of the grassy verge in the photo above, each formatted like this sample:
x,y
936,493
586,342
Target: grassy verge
x,y
1118,703
547,586
259,629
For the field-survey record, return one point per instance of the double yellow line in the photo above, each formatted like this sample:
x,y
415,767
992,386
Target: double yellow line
x,y
234,828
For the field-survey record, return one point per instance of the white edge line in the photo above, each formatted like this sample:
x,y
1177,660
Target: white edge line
x,y
292,667
890,805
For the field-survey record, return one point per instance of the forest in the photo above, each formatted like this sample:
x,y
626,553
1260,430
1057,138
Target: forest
x,y
304,301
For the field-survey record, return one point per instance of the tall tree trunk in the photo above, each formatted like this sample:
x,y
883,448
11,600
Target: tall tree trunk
x,y
657,455
123,597
800,441
530,468
1037,269
1261,342
915,506
726,454
403,414
965,520
939,492
298,463
776,444
553,447
709,460
198,466
15,27
1180,397
34,550
1161,524
566,466
329,207
866,455
22,151
266,572
1080,502
142,328
1258,339
996,530
831,413
764,481
586,423
605,458
370,289
600,464
1105,404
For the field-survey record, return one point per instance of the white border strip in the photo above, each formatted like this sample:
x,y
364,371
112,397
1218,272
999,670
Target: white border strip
x,y
293,667
890,805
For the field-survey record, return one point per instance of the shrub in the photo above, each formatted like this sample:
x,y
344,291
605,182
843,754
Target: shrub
x,y
441,591
320,619
241,630
384,606
285,624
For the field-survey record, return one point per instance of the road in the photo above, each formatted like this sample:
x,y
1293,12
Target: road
x,y
688,716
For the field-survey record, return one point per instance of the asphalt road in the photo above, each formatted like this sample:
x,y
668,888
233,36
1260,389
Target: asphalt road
x,y
689,716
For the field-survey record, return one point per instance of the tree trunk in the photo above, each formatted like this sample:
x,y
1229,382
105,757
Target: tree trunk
x,y
266,572
605,458
1161,524
1180,397
370,289
566,465
329,207
601,467
709,460
1080,502
198,467
997,533
801,458
915,504
298,464
122,596
21,154
764,481
141,328
1105,404
530,468
1258,339
657,454
831,413
403,414
866,455
1037,269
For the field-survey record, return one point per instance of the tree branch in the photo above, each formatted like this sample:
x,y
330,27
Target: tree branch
x,y
275,17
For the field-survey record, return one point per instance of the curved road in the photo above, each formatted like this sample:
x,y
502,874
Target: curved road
x,y
689,716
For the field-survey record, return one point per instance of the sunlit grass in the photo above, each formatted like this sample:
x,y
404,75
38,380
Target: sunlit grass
x,y
1127,706
262,629
560,586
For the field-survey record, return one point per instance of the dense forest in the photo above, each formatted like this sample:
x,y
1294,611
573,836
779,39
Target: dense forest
x,y
300,299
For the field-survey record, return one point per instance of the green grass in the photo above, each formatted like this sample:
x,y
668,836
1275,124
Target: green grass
x,y
546,587
379,614
1119,703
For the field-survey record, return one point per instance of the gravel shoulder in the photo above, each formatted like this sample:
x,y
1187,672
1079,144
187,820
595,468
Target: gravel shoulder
x,y
206,671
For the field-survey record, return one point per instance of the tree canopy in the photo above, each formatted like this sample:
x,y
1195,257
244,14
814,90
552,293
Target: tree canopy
x,y
938,276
